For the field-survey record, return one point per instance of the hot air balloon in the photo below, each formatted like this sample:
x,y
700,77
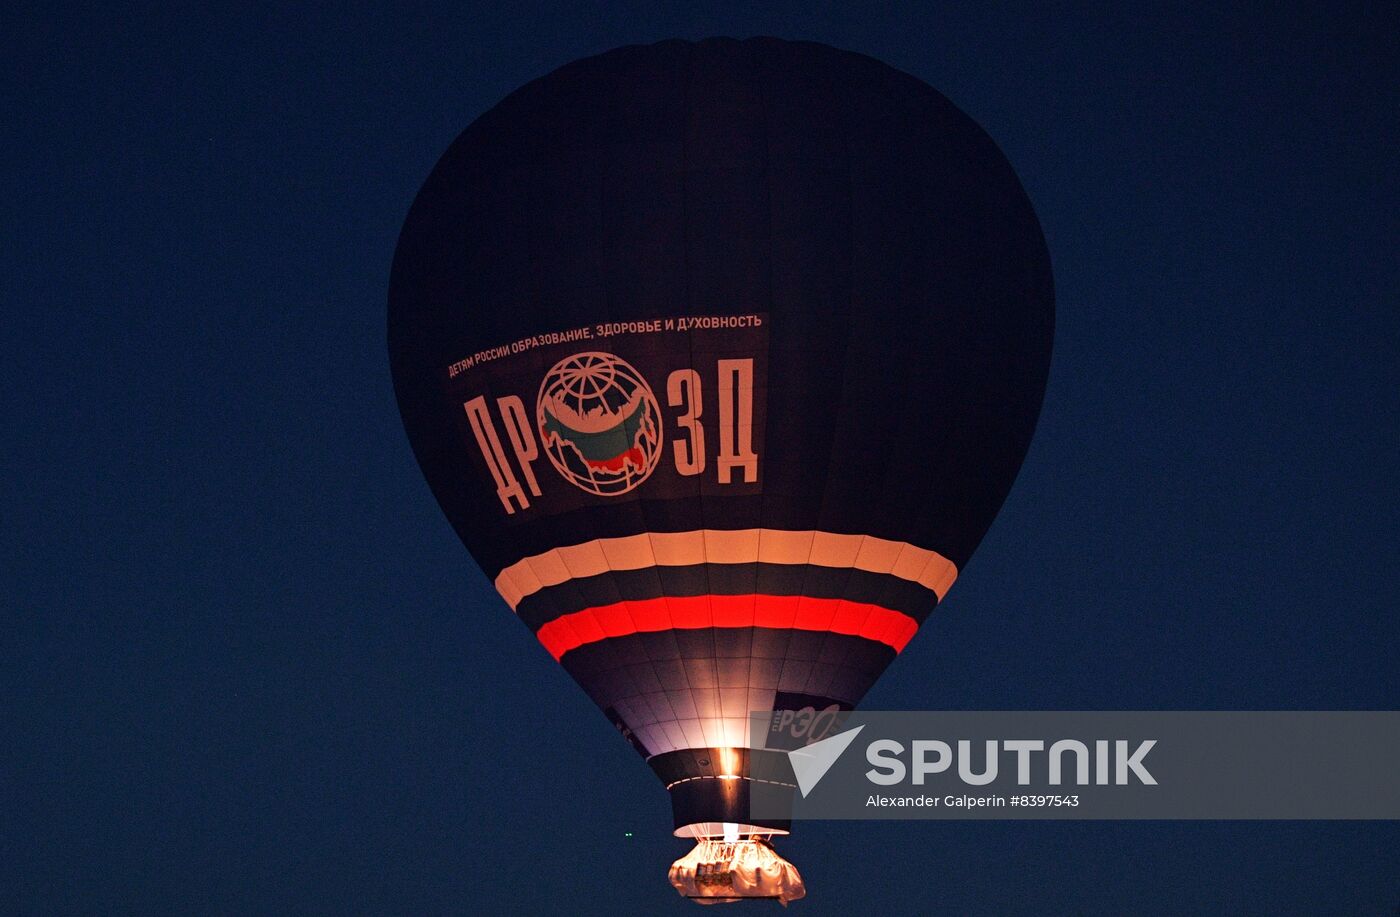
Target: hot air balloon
x,y
721,357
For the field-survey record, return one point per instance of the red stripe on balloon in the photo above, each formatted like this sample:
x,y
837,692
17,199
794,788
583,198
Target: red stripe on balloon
x,y
856,619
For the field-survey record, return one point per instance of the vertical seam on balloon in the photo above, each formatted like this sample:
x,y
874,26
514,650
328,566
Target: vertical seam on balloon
x,y
841,605
759,79
850,309
690,342
845,356
869,607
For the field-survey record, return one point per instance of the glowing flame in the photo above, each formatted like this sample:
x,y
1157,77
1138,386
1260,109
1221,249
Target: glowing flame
x,y
729,764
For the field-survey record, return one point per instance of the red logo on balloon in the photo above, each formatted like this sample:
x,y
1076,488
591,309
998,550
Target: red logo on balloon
x,y
599,423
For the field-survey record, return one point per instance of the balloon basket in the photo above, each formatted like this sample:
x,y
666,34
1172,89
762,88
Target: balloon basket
x,y
725,871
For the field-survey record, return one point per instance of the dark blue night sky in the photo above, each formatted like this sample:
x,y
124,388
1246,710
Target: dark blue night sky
x,y
249,669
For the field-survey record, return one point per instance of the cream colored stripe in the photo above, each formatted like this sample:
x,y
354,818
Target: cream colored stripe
x,y
715,546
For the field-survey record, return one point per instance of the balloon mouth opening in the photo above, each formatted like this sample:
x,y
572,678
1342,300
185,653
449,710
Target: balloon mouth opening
x,y
726,831
723,871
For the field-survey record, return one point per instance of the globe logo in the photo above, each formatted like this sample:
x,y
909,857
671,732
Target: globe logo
x,y
599,423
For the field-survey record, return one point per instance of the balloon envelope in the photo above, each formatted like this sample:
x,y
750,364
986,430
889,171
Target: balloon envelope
x,y
721,358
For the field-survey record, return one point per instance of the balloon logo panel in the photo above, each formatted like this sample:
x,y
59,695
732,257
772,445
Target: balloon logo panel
x,y
673,407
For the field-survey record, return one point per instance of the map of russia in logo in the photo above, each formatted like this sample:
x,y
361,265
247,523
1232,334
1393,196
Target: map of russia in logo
x,y
599,422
